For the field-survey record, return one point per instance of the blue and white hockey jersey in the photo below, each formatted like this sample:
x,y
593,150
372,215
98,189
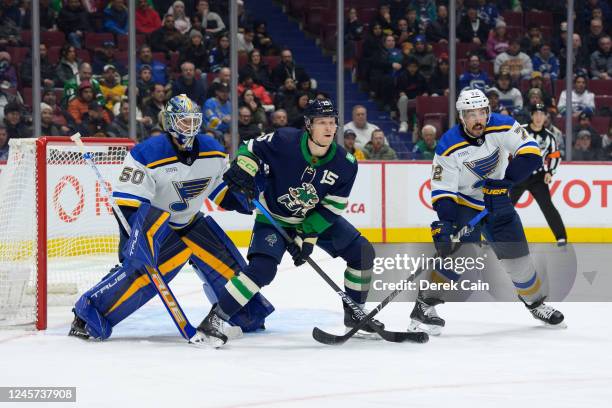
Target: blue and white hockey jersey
x,y
302,190
461,161
156,172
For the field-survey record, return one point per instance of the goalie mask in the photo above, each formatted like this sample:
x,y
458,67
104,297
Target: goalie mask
x,y
471,102
183,120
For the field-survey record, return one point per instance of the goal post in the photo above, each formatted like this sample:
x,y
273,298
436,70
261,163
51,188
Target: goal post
x,y
58,235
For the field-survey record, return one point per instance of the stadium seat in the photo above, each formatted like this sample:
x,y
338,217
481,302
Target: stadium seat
x,y
27,96
602,101
51,38
18,54
541,18
600,86
122,57
513,18
313,19
601,124
272,61
122,41
430,104
515,32
243,59
464,48
95,40
439,48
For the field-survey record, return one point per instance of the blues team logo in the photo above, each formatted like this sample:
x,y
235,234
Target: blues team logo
x,y
300,199
188,190
484,166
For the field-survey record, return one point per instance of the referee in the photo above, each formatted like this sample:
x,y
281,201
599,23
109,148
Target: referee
x,y
537,183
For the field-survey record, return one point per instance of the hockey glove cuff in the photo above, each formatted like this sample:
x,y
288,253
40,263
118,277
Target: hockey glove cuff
x,y
240,177
441,232
497,196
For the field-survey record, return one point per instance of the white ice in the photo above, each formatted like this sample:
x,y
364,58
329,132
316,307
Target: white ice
x,y
490,354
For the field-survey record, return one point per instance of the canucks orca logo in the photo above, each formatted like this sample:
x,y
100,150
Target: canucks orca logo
x,y
484,166
188,190
300,199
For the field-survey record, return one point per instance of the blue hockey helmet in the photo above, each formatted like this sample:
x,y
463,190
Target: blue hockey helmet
x,y
319,108
183,120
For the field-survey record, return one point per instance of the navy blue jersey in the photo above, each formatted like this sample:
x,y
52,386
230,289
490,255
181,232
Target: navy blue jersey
x,y
301,190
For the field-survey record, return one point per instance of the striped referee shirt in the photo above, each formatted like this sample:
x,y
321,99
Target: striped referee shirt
x,y
551,155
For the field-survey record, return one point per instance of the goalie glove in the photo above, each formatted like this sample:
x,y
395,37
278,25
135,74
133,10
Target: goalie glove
x,y
240,177
302,247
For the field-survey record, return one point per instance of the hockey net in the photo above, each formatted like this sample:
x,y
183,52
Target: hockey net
x,y
58,235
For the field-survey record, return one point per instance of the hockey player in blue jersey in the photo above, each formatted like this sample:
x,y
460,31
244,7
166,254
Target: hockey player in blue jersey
x,y
308,180
471,172
162,186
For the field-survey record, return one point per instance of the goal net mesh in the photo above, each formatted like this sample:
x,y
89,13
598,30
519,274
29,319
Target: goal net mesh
x,y
80,243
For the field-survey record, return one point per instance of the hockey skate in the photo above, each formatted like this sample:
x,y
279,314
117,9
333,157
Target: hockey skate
x,y
547,314
351,320
424,317
77,328
215,331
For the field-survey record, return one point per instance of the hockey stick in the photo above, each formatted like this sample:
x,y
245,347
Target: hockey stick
x,y
163,290
332,339
396,337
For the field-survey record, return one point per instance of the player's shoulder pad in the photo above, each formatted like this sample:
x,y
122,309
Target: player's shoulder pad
x,y
288,134
345,159
499,123
210,147
451,141
154,150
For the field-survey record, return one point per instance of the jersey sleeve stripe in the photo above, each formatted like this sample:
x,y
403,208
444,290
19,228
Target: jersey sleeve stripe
x,y
161,162
219,195
454,148
119,195
213,154
435,193
333,208
451,196
528,150
554,155
498,128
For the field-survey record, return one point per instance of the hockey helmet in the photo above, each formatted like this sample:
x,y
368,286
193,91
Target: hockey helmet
x,y
319,108
183,120
470,99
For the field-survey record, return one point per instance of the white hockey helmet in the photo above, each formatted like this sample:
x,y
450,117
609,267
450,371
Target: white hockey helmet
x,y
182,119
470,99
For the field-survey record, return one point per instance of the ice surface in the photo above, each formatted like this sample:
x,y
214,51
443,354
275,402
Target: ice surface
x,y
490,354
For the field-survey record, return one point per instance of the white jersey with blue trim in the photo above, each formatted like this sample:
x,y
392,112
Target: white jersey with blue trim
x,y
156,172
461,161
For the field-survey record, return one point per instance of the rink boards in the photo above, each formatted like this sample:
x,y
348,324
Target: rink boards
x,y
390,202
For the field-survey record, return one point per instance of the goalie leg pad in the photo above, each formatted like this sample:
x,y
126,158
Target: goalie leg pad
x,y
206,238
127,287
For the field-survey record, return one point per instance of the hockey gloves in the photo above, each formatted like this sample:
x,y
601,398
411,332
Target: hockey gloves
x,y
302,247
240,177
497,197
441,232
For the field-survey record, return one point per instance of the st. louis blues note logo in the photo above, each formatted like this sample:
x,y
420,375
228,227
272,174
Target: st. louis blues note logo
x,y
300,199
188,190
484,166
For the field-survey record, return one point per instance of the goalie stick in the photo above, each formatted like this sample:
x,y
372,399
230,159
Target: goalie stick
x,y
332,339
163,290
395,337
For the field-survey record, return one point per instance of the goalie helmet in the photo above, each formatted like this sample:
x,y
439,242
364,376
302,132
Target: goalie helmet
x,y
183,120
470,99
